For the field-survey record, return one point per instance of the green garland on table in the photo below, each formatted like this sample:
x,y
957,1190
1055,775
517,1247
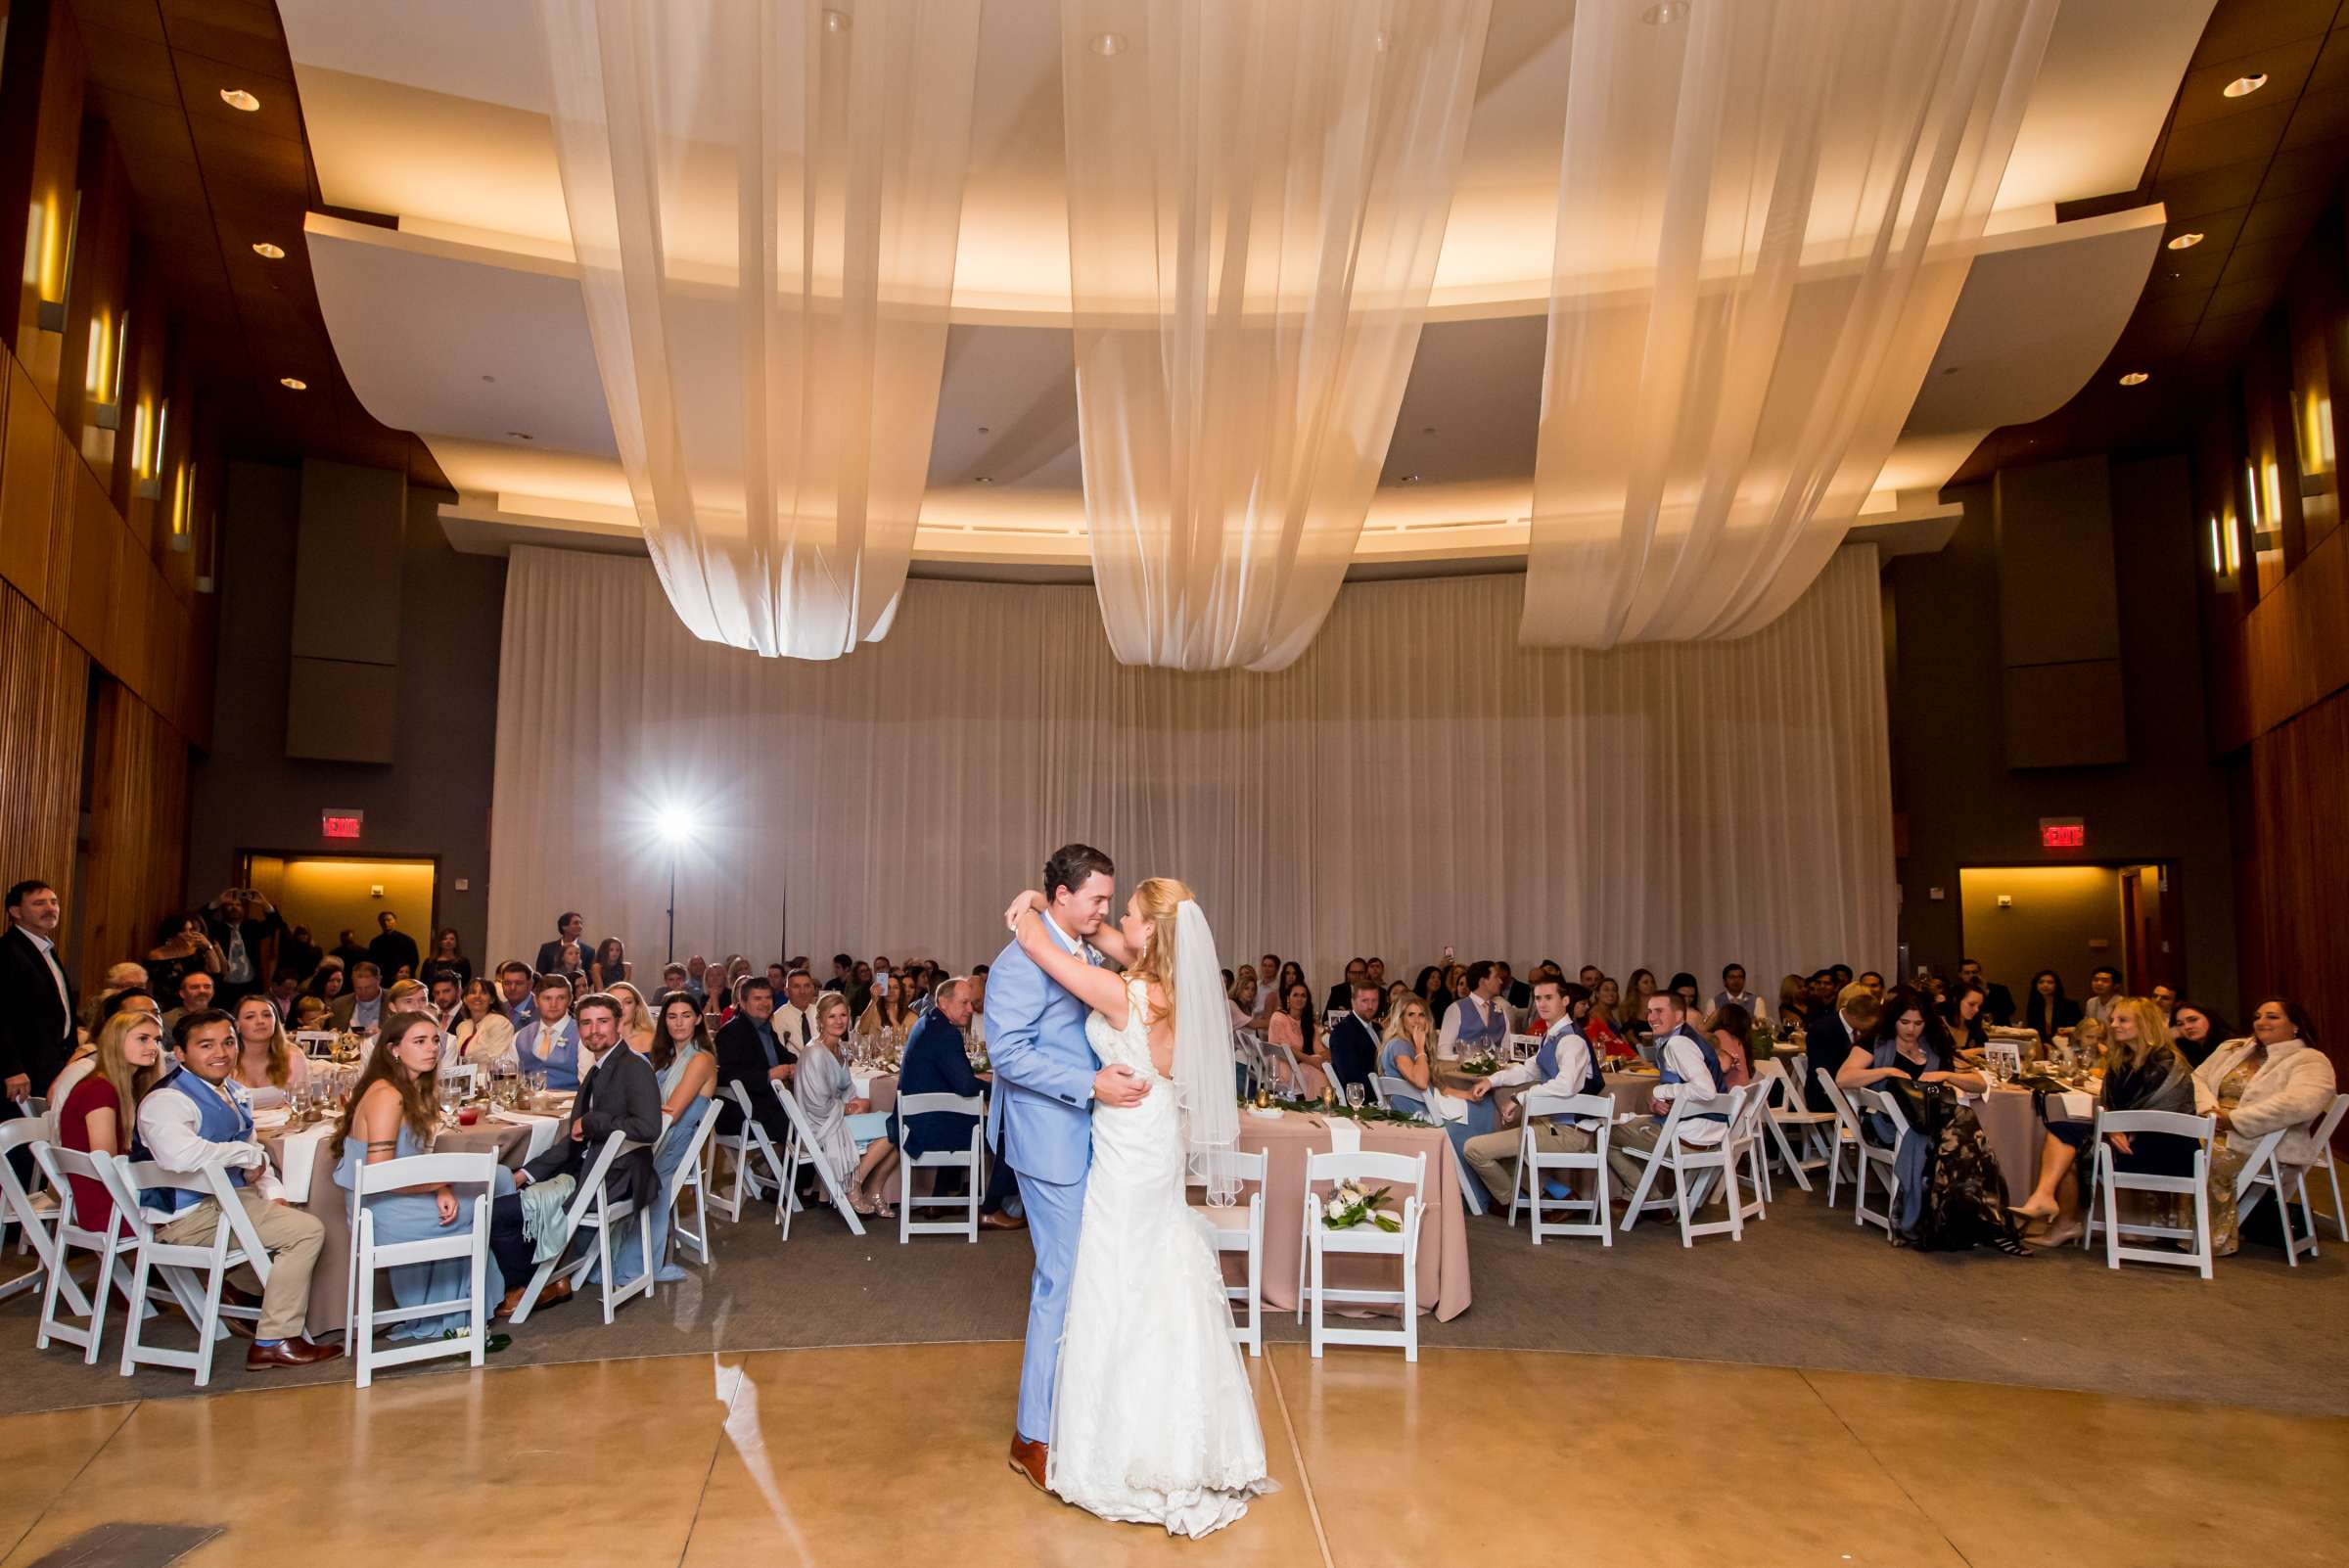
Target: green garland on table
x,y
1369,1113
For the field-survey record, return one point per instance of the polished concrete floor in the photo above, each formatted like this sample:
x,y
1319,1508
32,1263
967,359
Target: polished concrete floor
x,y
892,1455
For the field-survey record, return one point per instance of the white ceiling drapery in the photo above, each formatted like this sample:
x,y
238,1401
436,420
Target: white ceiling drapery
x,y
1765,214
1257,198
765,202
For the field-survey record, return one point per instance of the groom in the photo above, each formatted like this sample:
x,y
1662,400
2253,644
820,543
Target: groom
x,y
1046,1081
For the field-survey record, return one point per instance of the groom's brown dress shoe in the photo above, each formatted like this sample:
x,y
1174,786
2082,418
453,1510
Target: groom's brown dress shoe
x,y
1028,1459
997,1220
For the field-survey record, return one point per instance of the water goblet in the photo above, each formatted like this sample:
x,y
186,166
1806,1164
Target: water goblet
x,y
1355,1096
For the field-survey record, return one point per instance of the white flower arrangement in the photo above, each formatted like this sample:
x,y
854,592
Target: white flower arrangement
x,y
1484,1064
1351,1203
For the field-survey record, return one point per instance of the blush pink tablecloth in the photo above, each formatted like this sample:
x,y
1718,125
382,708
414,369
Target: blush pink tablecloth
x,y
1442,1283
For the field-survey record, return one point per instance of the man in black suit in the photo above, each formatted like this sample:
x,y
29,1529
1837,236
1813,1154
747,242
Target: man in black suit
x,y
1341,993
36,1000
1997,1001
571,930
1828,1039
619,1093
1516,993
749,1053
394,950
937,1062
1354,1038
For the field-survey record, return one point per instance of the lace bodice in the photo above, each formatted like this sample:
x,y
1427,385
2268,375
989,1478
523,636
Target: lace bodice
x,y
1129,1046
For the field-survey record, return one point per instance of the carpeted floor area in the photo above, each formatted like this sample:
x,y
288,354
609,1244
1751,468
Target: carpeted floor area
x,y
1806,1288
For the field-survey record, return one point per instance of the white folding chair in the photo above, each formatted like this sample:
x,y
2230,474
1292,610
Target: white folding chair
x,y
35,1218
1846,1138
1370,1167
1288,1074
2326,1125
1539,1103
801,1149
972,1160
2113,1181
593,1208
2262,1173
361,1316
1240,1227
60,1164
193,1272
1692,1167
1399,1094
750,1141
690,1176
1885,1160
1745,1153
1782,1096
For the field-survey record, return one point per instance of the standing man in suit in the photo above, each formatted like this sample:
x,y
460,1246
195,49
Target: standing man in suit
x,y
618,1094
1354,1038
551,1043
570,932
750,1053
1041,1119
393,950
37,1002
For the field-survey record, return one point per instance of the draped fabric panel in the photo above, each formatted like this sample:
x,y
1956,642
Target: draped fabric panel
x,y
1257,198
1764,211
1414,779
765,201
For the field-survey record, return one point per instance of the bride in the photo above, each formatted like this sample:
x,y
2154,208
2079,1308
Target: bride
x,y
1153,1421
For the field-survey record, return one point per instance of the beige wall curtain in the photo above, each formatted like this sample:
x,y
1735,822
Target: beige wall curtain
x,y
1414,779
1257,197
765,201
1764,219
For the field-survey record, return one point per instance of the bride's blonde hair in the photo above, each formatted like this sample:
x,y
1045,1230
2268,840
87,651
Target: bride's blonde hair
x,y
1157,898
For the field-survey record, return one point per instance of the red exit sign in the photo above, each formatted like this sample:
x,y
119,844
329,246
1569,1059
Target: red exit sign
x,y
2063,833
340,824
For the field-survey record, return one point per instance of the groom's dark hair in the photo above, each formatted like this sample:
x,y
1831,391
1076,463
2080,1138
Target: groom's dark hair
x,y
1071,864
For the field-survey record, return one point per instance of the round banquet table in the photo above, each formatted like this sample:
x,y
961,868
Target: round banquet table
x,y
329,1281
1286,1139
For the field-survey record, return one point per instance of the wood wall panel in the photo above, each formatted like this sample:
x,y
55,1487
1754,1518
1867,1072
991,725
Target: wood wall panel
x,y
44,691
28,489
2296,878
135,859
93,565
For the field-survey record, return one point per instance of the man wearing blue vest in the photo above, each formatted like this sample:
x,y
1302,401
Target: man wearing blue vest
x,y
1689,1065
199,1118
1478,1022
1564,1064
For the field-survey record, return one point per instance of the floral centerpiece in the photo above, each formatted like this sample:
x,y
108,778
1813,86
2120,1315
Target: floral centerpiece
x,y
1484,1064
1351,1204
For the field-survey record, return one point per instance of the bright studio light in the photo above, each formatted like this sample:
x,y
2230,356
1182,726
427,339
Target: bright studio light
x,y
676,825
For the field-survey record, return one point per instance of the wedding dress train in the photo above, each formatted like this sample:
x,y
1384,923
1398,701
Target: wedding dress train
x,y
1153,1421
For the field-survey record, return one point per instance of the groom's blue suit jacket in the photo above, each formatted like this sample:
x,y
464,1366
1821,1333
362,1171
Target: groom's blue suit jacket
x,y
1043,1070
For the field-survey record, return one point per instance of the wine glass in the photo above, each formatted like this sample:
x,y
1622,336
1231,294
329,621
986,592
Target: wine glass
x,y
1355,1097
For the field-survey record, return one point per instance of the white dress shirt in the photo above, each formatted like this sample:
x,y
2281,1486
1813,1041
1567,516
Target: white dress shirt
x,y
167,1125
1574,1069
792,1027
1686,1058
49,952
1447,1040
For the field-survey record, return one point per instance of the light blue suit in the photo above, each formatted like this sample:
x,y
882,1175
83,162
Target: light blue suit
x,y
1041,1119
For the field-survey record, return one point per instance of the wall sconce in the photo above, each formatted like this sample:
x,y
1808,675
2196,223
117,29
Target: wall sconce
x,y
49,271
104,378
150,458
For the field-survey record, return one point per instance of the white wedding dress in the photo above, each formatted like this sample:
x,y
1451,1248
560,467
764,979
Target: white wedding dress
x,y
1153,1421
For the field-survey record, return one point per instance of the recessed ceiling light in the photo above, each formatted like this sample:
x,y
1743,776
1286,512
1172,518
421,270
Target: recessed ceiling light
x,y
982,479
1665,12
239,98
2243,86
2186,241
1409,478
1107,44
2135,378
294,384
262,248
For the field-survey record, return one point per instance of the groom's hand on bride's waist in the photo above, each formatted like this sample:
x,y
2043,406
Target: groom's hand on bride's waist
x,y
1118,1086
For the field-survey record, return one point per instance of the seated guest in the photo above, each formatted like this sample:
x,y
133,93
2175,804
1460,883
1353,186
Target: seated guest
x,y
394,1114
310,1016
1514,993
2165,1000
447,996
1683,986
1603,1027
514,986
194,997
2196,1032
363,1008
1396,990
1685,1064
1341,995
610,965
481,1037
99,1114
1873,982
1832,1037
184,944
285,989
549,1043
409,995
890,1008
687,1070
1953,1196
1430,989
120,978
1296,1027
197,1117
1566,1065
1632,1016
2277,1077
1242,998
329,981
828,1096
750,1054
1998,1001
619,1093
1354,1040
266,1061
1732,993
2050,1009
636,1024
2103,991
1409,1054
795,1012
977,1032
1733,1031
1964,1013
1479,1022
1794,1003
564,954
674,977
2142,1072
936,1062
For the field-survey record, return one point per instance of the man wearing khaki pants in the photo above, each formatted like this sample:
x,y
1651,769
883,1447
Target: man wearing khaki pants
x,y
196,1119
1563,1064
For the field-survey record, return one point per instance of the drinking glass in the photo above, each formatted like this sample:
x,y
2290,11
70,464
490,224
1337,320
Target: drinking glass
x,y
1355,1096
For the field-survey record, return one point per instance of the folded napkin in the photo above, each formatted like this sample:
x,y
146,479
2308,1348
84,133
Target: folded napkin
x,y
2077,1106
297,1160
1345,1138
543,1129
